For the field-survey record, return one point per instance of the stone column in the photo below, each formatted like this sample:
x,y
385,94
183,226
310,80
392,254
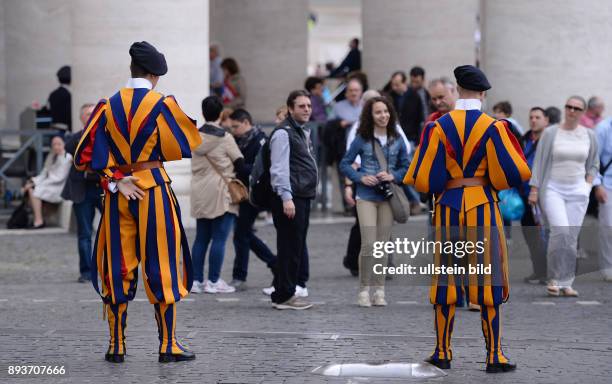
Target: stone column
x,y
36,44
102,33
269,40
2,68
538,53
436,35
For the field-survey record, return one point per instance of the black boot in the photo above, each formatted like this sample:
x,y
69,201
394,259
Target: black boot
x,y
440,363
114,357
174,357
500,367
170,350
117,324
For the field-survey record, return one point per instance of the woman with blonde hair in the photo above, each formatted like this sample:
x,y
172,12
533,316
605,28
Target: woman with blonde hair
x,y
565,164
48,185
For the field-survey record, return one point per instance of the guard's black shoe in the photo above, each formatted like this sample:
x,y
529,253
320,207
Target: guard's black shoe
x,y
500,367
440,363
173,357
114,358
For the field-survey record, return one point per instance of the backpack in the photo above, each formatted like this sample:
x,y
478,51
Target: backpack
x,y
19,218
260,186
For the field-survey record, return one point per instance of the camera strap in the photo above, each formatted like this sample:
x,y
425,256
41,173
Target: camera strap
x,y
380,155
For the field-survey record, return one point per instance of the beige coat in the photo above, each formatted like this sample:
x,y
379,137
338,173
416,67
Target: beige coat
x,y
210,197
49,184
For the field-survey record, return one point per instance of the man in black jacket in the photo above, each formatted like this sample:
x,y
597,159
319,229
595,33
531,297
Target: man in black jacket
x,y
83,189
415,106
531,225
352,61
249,139
60,102
294,177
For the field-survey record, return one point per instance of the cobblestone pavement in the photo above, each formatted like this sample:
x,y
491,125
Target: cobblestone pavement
x,y
46,318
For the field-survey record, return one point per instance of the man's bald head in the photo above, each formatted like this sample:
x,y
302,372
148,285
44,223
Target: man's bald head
x,y
443,94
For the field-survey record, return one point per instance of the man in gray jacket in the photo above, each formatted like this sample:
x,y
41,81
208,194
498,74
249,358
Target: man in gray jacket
x,y
293,175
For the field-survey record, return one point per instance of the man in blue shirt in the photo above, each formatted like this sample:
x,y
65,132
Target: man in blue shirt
x,y
603,191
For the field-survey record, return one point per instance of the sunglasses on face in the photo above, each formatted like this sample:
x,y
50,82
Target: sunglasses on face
x,y
573,109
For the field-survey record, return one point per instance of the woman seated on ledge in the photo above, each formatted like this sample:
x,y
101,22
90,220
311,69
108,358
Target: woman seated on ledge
x,y
48,185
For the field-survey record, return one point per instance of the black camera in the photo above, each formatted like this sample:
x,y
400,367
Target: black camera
x,y
384,188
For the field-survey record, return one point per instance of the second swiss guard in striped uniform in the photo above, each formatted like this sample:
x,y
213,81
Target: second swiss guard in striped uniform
x,y
464,158
126,140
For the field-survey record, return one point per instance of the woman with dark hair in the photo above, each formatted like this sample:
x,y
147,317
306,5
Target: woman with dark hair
x,y
564,168
234,88
376,133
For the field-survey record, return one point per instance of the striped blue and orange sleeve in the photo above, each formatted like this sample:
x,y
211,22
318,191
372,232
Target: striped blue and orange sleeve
x,y
93,151
506,162
178,133
427,171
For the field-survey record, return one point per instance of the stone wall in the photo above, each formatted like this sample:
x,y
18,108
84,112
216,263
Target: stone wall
x,y
269,40
436,35
537,52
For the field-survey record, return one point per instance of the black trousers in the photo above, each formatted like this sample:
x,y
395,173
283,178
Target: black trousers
x,y
290,245
536,239
354,246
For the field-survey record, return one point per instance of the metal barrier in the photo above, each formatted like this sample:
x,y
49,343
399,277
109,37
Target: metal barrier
x,y
34,140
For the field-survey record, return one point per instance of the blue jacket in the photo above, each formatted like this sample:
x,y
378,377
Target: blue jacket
x,y
397,160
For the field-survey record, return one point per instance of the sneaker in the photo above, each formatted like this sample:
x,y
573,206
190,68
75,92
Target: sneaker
x,y
83,279
473,307
293,303
301,291
552,289
534,279
268,291
239,285
363,299
378,298
197,287
219,287
569,292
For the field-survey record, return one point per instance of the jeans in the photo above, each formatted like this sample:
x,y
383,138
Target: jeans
x,y
84,213
245,241
291,245
605,235
217,229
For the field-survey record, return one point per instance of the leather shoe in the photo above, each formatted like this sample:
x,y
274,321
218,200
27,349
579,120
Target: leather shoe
x,y
440,363
114,358
173,357
500,367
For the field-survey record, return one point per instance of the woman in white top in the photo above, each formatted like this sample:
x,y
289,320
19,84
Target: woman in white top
x,y
564,167
48,185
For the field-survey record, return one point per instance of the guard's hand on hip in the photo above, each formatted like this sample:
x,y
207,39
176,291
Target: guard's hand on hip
x,y
128,189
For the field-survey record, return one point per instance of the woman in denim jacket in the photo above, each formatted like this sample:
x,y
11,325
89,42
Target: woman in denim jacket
x,y
372,190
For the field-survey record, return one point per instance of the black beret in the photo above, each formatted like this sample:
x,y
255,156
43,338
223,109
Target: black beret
x,y
472,78
146,56
63,74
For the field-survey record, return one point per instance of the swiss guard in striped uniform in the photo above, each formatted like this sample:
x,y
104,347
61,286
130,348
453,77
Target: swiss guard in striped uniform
x,y
464,158
127,139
